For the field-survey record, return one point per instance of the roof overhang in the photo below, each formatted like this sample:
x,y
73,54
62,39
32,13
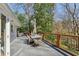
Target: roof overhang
x,y
8,12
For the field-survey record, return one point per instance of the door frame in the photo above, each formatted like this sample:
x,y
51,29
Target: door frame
x,y
3,33
7,36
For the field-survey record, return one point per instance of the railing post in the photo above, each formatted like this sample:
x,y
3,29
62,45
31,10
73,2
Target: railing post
x,y
58,40
78,44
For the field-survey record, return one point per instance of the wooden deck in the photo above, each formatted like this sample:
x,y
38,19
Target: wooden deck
x,y
20,48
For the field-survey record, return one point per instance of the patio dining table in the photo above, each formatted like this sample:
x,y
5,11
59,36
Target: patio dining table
x,y
36,36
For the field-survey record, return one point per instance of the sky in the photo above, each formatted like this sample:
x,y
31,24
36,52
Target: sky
x,y
14,7
58,10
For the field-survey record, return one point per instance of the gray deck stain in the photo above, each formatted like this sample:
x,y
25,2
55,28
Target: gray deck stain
x,y
18,48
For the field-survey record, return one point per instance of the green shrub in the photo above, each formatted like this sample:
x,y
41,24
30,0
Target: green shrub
x,y
51,37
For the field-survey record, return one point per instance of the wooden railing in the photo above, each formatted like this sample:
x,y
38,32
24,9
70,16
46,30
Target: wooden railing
x,y
69,43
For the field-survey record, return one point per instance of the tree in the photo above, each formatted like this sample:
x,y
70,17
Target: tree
x,y
71,17
43,13
24,23
28,7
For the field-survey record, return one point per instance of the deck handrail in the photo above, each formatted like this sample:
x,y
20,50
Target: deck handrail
x,y
59,38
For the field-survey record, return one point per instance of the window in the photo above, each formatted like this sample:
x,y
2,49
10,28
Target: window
x,y
11,28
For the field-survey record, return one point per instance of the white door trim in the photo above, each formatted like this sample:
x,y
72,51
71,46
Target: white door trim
x,y
7,45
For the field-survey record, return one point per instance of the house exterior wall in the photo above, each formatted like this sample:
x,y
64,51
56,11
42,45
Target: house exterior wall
x,y
6,13
10,19
13,33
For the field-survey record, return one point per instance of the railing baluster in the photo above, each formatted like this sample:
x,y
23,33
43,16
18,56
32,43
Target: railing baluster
x,y
71,42
58,40
78,43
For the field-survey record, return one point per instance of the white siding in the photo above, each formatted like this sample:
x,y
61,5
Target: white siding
x,y
14,33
